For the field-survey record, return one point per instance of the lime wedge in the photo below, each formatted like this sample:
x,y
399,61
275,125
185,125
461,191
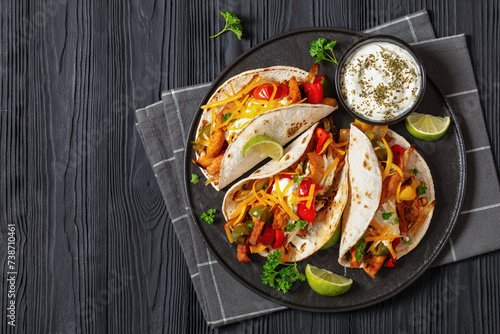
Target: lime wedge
x,y
427,127
264,146
334,239
327,283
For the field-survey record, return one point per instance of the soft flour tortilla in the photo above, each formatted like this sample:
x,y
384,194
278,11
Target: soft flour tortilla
x,y
283,124
365,188
320,232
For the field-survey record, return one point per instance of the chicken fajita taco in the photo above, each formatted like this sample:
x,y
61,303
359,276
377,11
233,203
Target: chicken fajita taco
x,y
284,100
391,199
294,204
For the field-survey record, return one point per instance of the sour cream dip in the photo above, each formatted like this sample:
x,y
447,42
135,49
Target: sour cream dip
x,y
380,81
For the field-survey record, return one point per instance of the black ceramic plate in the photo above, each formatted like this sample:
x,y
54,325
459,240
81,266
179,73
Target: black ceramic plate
x,y
445,157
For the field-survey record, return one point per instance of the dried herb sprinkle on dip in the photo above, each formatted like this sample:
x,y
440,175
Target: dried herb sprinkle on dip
x,y
380,81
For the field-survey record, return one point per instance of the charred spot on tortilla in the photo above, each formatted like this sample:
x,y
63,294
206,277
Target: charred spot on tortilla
x,y
286,157
229,155
367,156
368,194
294,128
304,140
257,171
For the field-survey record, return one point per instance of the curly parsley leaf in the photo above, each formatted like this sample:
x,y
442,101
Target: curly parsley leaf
x,y
300,224
360,247
297,179
414,171
421,189
319,48
387,215
283,278
208,216
195,178
233,23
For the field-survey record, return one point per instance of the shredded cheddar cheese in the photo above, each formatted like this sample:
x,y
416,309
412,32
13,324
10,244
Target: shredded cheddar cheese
x,y
330,168
310,197
389,160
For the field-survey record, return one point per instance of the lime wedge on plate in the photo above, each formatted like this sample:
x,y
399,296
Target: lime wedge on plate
x,y
325,282
427,127
334,239
264,146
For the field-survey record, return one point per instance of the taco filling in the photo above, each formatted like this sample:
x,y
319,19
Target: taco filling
x,y
297,207
405,206
244,98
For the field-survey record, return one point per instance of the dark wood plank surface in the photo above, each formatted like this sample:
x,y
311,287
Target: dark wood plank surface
x,y
95,250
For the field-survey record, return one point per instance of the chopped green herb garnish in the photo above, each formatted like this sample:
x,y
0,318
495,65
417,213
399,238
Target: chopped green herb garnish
x,y
282,279
226,117
300,224
414,171
318,50
265,187
421,189
251,224
244,187
208,216
396,221
387,215
408,242
297,179
360,247
195,178
233,23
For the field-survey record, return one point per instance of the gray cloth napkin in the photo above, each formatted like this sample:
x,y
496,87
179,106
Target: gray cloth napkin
x,y
164,126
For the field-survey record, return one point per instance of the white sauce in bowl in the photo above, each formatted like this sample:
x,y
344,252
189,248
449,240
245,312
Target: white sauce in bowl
x,y
380,81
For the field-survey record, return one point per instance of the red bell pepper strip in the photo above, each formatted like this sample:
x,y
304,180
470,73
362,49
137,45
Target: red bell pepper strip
x,y
304,187
264,92
279,239
314,92
321,136
306,214
397,151
268,236
319,78
302,211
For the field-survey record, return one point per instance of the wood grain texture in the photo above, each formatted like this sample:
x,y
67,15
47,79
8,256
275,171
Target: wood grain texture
x,y
96,251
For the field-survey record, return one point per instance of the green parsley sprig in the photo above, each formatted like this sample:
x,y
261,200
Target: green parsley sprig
x,y
208,216
319,48
195,178
421,189
387,215
300,224
297,179
232,23
283,278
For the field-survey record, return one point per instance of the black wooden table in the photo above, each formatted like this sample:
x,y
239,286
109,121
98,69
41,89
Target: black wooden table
x,y
95,250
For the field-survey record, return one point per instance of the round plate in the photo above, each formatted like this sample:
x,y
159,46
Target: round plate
x,y
445,157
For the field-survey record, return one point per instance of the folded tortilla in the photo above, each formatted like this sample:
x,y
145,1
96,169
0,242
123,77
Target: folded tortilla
x,y
282,124
365,188
317,234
